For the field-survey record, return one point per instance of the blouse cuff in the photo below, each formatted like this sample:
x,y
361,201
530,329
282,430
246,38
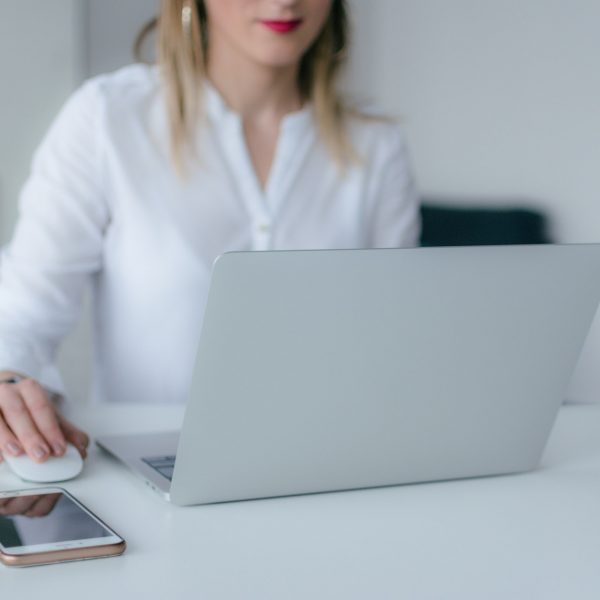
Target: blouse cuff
x,y
48,376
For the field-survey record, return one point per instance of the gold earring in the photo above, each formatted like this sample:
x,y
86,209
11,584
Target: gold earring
x,y
186,18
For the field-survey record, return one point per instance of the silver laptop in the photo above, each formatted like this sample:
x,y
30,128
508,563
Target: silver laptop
x,y
341,369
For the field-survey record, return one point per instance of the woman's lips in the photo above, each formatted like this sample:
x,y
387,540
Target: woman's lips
x,y
282,26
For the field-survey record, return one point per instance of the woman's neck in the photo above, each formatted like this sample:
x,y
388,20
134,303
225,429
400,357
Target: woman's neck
x,y
252,90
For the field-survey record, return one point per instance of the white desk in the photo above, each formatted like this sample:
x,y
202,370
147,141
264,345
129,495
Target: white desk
x,y
532,536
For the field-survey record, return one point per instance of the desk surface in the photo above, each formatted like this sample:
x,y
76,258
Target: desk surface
x,y
534,535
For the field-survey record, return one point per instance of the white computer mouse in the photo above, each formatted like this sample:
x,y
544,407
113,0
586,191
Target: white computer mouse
x,y
55,468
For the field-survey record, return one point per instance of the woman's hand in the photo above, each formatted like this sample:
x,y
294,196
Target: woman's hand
x,y
30,423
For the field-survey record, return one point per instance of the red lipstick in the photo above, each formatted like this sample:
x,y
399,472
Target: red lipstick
x,y
283,26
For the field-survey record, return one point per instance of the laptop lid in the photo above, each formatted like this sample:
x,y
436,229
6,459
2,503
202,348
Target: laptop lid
x,y
331,370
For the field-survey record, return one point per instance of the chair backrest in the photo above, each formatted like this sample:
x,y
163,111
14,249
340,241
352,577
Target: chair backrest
x,y
455,225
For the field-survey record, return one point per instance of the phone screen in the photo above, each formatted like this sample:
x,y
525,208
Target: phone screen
x,y
48,518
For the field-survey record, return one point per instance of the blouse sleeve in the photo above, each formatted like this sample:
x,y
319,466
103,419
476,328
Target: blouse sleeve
x,y
393,215
57,244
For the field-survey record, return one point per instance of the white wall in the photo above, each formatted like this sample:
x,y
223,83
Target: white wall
x,y
112,26
499,98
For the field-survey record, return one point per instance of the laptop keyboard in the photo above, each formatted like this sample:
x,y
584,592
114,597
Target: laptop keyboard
x,y
165,465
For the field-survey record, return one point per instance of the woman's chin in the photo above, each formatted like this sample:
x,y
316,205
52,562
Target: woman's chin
x,y
279,60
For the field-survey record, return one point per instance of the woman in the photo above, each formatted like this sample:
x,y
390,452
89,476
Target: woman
x,y
236,140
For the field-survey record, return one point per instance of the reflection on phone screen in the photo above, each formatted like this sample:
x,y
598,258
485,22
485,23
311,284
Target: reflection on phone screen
x,y
45,519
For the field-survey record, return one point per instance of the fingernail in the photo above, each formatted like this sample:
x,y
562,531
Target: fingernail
x,y
39,452
59,449
13,448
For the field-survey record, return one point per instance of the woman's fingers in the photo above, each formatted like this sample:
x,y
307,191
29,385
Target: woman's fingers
x,y
8,442
43,414
75,436
16,415
30,423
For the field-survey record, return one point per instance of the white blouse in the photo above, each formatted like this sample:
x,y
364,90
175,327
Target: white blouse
x,y
104,206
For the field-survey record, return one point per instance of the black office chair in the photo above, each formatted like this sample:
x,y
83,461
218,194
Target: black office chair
x,y
454,225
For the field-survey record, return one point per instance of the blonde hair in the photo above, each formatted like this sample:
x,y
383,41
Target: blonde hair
x,y
182,54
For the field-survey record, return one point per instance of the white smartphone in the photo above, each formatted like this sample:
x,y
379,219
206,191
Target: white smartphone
x,y
47,525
